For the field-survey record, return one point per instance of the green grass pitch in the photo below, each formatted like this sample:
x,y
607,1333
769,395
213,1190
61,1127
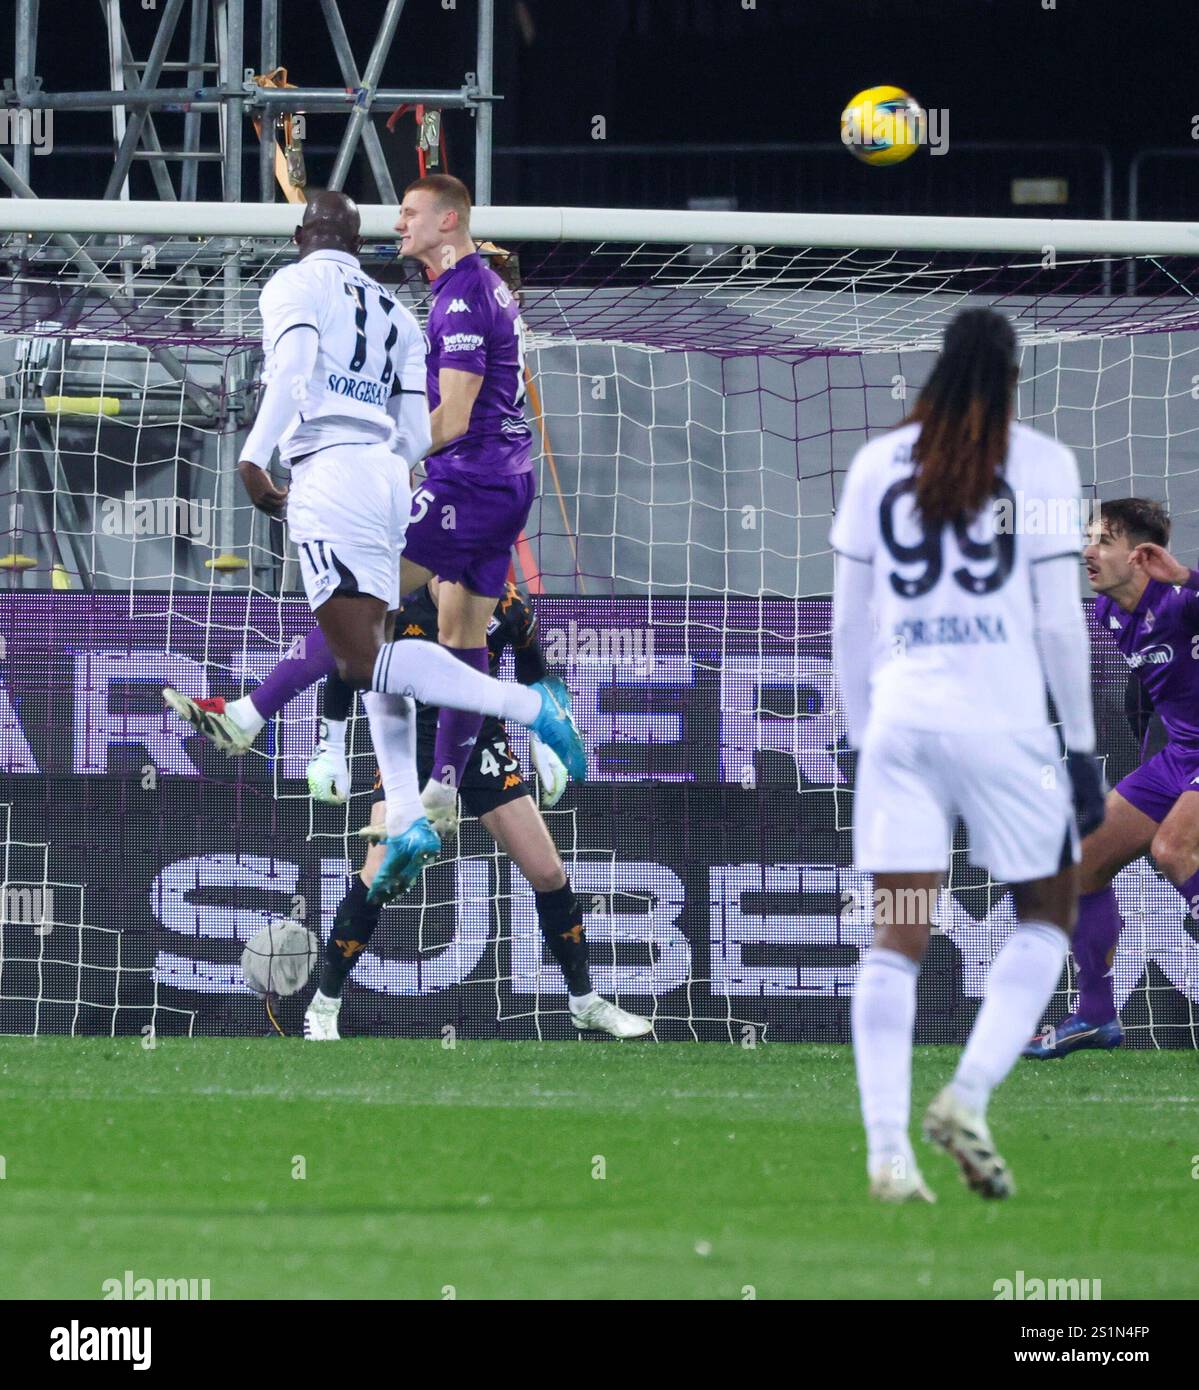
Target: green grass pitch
x,y
723,1169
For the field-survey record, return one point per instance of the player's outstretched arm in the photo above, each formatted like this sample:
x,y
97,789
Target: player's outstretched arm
x,y
1061,637
520,628
292,364
852,642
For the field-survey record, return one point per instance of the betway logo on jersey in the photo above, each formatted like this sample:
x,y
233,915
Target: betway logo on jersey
x,y
1151,656
358,389
462,342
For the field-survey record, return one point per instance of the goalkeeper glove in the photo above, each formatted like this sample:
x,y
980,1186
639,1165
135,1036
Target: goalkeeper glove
x,y
551,772
441,808
1086,783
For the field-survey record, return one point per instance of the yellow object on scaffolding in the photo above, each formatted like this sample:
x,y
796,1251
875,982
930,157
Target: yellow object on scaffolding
x,y
82,405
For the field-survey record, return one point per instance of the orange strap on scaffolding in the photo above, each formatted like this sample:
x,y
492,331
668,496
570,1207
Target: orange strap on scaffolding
x,y
290,172
430,144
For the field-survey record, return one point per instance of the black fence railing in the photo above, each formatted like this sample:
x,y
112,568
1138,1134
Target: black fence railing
x,y
971,179
1163,185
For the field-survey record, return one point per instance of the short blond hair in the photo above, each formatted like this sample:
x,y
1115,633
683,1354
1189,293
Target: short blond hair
x,y
451,194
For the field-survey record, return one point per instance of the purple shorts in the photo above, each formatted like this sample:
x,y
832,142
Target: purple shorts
x,y
1156,785
464,526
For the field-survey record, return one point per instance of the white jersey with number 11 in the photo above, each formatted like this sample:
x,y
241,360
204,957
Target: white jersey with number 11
x,y
369,347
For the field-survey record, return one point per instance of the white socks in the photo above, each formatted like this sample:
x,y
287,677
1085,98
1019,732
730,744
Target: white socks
x,y
393,736
1021,983
434,676
1019,986
883,1014
245,716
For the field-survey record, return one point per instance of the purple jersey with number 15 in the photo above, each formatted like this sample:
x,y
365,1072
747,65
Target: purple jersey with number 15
x,y
475,326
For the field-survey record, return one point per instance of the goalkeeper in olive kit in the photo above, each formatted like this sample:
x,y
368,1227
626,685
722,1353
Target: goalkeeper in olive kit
x,y
494,790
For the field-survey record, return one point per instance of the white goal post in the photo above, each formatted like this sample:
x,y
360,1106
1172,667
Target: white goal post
x,y
632,225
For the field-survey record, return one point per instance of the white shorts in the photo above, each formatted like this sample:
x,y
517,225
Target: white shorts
x,y
1011,789
347,512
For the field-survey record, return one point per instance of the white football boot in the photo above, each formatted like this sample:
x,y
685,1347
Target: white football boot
x,y
963,1134
328,777
208,717
320,1019
897,1180
606,1017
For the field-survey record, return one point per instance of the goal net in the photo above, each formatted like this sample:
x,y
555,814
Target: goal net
x,y
697,386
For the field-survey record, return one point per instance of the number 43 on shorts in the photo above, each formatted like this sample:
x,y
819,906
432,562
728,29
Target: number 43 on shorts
x,y
491,766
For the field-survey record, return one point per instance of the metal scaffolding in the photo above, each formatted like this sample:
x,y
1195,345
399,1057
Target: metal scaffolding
x,y
219,91
217,27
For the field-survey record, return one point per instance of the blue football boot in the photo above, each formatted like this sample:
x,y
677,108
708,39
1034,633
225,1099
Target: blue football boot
x,y
556,728
1074,1034
408,855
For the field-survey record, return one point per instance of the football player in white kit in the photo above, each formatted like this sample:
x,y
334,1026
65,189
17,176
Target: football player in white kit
x,y
957,600
345,403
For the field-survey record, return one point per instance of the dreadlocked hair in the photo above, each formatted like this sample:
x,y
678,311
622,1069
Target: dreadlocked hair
x,y
964,412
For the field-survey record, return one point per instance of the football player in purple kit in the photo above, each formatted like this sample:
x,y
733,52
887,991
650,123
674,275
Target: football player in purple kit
x,y
1148,602
479,485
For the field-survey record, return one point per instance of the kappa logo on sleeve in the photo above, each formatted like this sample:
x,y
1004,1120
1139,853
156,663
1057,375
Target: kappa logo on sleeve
x,y
458,306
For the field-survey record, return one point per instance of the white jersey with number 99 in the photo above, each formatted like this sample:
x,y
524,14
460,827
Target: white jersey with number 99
x,y
369,347
954,646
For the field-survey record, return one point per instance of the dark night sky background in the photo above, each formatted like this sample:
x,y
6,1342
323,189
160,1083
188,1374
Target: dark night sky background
x,y
1119,74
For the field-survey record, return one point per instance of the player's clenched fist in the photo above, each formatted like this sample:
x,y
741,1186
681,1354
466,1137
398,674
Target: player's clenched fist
x,y
261,490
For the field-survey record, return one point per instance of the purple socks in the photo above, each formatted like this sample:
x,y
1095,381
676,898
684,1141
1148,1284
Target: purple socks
x,y
304,663
457,730
1094,945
